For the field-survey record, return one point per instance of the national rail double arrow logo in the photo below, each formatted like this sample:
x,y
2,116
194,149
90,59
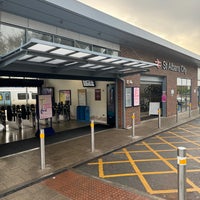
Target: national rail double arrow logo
x,y
159,63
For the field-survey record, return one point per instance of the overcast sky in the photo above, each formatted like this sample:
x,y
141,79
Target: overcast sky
x,y
177,21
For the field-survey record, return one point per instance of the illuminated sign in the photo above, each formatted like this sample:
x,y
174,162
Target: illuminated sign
x,y
88,83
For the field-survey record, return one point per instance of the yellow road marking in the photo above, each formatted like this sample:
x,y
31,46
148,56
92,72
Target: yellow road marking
x,y
188,131
140,174
120,175
101,171
137,170
187,179
161,158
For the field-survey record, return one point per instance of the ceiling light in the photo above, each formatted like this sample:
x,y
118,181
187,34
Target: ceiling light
x,y
41,47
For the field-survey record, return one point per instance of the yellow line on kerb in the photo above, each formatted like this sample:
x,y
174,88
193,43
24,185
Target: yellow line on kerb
x,y
136,169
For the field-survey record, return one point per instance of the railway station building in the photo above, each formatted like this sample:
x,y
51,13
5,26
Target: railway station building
x,y
94,60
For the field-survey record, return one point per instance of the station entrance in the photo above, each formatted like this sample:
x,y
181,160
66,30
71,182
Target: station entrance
x,y
70,74
149,93
69,97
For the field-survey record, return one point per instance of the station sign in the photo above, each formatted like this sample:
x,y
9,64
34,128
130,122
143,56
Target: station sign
x,y
170,66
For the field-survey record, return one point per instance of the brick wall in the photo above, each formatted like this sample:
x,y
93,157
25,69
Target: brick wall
x,y
171,78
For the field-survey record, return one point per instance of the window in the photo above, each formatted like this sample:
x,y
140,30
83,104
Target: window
x,y
10,38
83,45
22,96
34,95
39,35
183,93
99,49
64,41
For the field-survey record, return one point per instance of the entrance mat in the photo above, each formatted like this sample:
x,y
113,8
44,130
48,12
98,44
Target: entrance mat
x,y
27,144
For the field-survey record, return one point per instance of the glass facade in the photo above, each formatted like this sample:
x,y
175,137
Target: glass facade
x,y
183,93
83,45
12,37
39,35
64,41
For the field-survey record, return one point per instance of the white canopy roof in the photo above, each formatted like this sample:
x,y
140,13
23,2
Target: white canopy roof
x,y
43,57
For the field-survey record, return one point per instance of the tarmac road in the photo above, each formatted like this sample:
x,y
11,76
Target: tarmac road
x,y
150,165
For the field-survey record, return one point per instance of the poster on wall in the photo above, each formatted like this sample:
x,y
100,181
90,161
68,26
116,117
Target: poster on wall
x,y
128,97
136,96
45,106
82,97
65,96
97,94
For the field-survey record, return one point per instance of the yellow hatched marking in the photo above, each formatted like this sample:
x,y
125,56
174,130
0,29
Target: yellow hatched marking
x,y
193,126
132,151
184,138
101,171
165,191
193,170
188,131
160,157
187,179
190,141
137,170
109,162
158,172
140,174
172,191
120,175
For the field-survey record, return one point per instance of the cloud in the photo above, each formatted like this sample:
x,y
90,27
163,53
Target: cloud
x,y
174,20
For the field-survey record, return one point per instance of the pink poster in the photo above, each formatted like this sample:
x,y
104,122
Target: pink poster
x,y
45,106
136,97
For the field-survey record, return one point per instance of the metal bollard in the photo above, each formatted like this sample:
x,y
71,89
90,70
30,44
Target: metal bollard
x,y
42,148
133,125
181,161
159,118
190,105
177,113
199,107
92,136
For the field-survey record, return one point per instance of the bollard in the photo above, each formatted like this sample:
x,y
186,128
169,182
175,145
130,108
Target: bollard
x,y
133,125
92,136
42,148
190,105
177,113
199,107
181,161
159,118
